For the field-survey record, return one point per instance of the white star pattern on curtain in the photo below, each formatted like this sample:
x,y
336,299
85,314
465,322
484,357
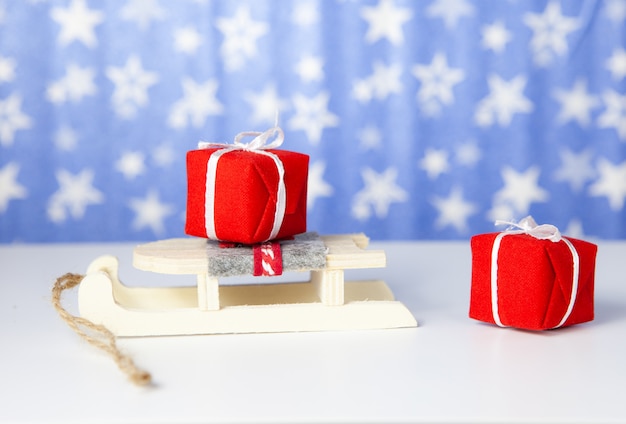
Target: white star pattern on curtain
x,y
426,119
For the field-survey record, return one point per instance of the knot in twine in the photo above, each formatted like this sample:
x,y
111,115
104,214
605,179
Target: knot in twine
x,y
97,335
529,226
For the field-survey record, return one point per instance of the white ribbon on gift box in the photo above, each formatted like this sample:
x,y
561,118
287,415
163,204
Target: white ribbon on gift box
x,y
543,232
258,145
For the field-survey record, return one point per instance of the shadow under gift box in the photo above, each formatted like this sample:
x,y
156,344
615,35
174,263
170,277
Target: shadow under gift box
x,y
534,281
246,194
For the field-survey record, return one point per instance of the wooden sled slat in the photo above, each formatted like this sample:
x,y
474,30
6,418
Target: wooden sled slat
x,y
188,255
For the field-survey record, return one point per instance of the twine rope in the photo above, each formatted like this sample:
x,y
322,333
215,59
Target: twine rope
x,y
97,335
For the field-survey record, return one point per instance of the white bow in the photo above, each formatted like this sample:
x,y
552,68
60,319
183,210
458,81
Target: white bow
x,y
261,140
529,226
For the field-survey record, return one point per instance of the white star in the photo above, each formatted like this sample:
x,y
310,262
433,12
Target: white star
x,y
150,212
163,155
501,211
575,169
310,68
265,104
495,37
187,40
450,11
131,86
131,164
434,162
362,90
12,119
75,193
616,64
79,82
520,189
316,186
198,102
306,14
385,21
576,104
385,80
240,37
9,187
73,86
611,183
77,23
55,92
361,211
370,138
575,229
379,192
550,31
142,12
615,10
504,100
468,154
7,69
453,210
437,82
615,114
312,116
65,139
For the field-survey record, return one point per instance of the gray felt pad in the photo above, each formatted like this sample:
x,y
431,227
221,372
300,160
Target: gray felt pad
x,y
305,252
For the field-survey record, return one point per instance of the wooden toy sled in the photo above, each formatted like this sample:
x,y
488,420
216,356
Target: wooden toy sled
x,y
326,302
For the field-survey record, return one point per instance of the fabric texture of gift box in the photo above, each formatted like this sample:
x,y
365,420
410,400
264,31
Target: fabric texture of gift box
x,y
246,192
530,277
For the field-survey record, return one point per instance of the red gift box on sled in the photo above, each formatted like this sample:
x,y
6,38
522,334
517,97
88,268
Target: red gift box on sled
x,y
532,278
246,192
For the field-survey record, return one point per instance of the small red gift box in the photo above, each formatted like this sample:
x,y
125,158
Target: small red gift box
x,y
246,193
532,278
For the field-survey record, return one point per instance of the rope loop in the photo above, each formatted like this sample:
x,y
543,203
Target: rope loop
x,y
95,334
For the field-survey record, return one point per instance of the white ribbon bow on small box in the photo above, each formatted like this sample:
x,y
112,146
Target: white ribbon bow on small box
x,y
529,226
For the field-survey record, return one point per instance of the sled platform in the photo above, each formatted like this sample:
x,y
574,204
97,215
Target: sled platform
x,y
326,302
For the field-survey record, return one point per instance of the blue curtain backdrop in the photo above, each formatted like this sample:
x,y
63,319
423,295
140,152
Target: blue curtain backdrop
x,y
423,119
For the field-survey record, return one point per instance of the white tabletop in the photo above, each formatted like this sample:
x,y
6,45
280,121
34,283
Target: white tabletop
x,y
449,369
